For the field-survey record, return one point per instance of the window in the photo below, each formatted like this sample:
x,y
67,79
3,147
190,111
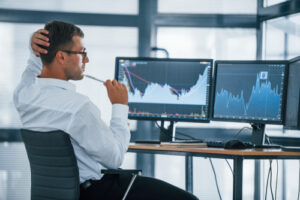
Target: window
x,y
14,52
216,43
91,6
207,7
281,38
273,45
273,2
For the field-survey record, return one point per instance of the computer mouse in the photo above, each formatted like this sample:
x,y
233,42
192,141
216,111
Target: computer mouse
x,y
235,144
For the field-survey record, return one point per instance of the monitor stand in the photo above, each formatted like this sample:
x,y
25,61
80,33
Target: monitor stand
x,y
258,133
167,135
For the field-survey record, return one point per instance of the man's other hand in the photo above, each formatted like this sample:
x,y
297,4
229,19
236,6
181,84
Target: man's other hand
x,y
117,92
39,38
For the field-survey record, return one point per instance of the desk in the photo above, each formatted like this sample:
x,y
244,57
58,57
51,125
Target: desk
x,y
236,155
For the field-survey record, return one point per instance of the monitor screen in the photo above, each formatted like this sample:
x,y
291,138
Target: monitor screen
x,y
166,89
250,91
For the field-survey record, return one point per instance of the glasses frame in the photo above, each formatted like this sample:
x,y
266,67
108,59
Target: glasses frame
x,y
83,53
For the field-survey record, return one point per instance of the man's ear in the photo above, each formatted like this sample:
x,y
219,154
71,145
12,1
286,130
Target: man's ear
x,y
60,57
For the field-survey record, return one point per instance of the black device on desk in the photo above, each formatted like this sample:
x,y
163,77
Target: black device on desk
x,y
291,148
188,141
250,91
172,90
237,144
230,144
147,141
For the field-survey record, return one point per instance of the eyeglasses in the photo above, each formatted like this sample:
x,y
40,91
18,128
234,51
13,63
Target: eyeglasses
x,y
83,53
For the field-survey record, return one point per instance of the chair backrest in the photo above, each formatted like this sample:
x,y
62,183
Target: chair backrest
x,y
54,170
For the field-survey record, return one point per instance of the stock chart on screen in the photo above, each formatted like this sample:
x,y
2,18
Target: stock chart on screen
x,y
249,91
175,89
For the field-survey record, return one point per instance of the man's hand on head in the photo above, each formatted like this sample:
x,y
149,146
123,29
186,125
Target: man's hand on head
x,y
117,92
39,38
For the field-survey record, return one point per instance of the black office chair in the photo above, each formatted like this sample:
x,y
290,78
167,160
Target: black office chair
x,y
54,170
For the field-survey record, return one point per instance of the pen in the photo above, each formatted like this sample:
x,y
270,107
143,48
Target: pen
x,y
91,77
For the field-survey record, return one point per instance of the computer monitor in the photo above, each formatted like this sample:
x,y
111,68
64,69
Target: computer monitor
x,y
166,89
250,91
292,116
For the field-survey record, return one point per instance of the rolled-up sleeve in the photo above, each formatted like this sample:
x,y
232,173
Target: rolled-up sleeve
x,y
33,69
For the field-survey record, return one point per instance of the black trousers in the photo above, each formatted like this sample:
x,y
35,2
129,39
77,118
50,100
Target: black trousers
x,y
113,187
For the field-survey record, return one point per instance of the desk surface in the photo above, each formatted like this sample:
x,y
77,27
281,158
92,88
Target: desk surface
x,y
269,153
237,155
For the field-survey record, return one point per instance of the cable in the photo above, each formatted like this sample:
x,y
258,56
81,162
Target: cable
x,y
215,175
276,179
266,194
229,167
163,131
180,133
161,49
276,183
271,176
268,139
183,134
299,182
241,131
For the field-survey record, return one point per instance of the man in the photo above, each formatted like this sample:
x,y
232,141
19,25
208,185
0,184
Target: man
x,y
46,101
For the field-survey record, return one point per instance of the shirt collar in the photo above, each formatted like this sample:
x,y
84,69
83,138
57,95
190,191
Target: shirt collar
x,y
56,83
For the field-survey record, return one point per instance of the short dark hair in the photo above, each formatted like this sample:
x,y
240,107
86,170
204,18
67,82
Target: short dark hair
x,y
60,37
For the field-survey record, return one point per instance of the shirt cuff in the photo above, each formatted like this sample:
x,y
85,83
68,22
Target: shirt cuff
x,y
120,111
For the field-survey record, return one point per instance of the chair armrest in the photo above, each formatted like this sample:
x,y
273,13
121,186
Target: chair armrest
x,y
121,171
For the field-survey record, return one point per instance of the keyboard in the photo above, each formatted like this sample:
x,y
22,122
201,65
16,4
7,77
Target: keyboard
x,y
227,145
187,141
218,144
147,142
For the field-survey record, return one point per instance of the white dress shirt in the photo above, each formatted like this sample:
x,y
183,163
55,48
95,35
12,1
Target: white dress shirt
x,y
46,104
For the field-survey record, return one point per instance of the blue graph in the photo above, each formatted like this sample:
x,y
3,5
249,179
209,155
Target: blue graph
x,y
166,94
264,102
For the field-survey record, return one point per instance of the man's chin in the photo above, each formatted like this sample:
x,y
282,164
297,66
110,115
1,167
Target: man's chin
x,y
78,78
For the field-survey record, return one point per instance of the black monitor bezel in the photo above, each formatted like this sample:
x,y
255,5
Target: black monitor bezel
x,y
285,125
284,95
208,118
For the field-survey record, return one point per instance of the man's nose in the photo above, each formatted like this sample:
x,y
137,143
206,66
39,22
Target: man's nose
x,y
86,59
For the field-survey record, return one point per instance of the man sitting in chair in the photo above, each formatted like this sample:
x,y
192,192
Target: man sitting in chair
x,y
47,101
